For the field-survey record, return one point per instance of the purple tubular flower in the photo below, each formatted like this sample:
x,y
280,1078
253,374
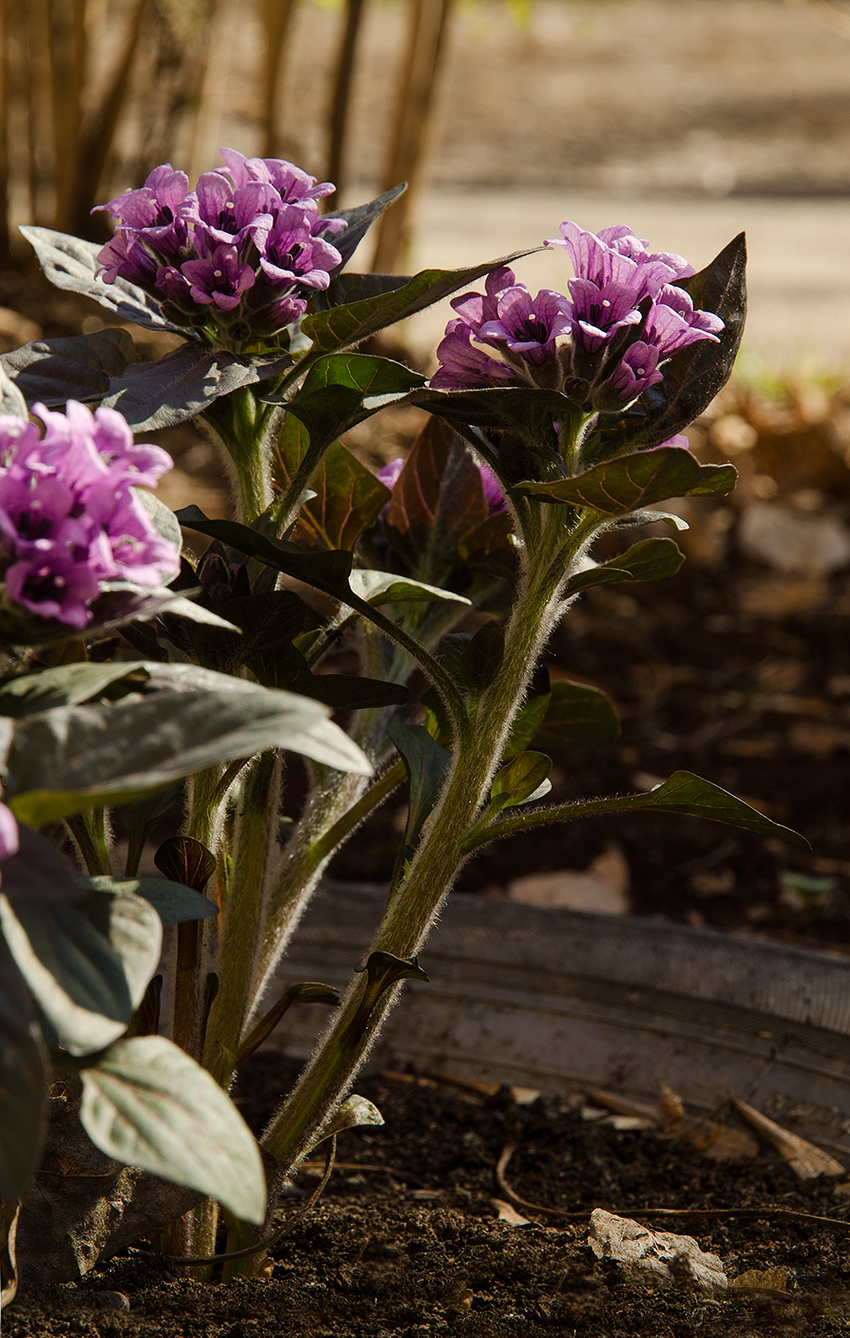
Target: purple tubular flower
x,y
636,372
221,279
464,366
239,257
69,518
529,326
290,253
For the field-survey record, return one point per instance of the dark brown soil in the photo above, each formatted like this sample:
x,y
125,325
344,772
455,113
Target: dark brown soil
x,y
406,1240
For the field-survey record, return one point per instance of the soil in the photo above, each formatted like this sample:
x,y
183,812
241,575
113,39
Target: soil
x,y
406,1240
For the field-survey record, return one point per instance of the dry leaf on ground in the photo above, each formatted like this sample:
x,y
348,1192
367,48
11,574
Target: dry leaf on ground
x,y
507,1213
602,888
659,1254
805,1159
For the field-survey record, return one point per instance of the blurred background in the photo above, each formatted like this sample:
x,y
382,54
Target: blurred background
x,y
690,120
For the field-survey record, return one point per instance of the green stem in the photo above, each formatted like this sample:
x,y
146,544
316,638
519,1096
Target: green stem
x,y
253,860
190,994
90,832
441,851
326,844
245,428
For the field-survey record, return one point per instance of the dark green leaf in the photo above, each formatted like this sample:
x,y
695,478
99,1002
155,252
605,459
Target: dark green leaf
x,y
152,395
342,327
686,793
578,714
72,758
638,480
185,860
87,962
437,501
527,410
324,571
146,1103
352,693
38,871
71,263
172,902
523,779
23,1081
649,560
62,685
695,374
482,656
358,221
427,766
79,367
306,992
345,388
346,288
528,721
348,499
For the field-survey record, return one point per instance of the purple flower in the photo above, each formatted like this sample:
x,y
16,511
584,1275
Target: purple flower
x,y
239,257
464,366
221,279
69,517
290,183
290,254
8,832
637,370
528,326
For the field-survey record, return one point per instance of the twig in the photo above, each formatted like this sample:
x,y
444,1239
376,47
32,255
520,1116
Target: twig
x,y
789,1214
269,1241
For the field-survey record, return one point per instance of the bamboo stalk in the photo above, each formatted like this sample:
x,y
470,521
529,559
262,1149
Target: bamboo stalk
x,y
102,124
338,120
414,114
4,128
277,16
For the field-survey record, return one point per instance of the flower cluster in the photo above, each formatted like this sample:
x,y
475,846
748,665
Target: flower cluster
x,y
237,257
623,319
69,518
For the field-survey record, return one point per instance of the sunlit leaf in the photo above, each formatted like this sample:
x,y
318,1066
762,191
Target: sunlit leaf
x,y
152,395
638,480
78,367
385,587
71,263
523,779
342,327
649,560
146,1103
686,793
72,758
348,498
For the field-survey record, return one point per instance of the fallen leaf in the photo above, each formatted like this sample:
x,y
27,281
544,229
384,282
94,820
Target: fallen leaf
x,y
8,1265
717,1141
660,1254
672,1105
508,1213
602,888
805,1159
758,1280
